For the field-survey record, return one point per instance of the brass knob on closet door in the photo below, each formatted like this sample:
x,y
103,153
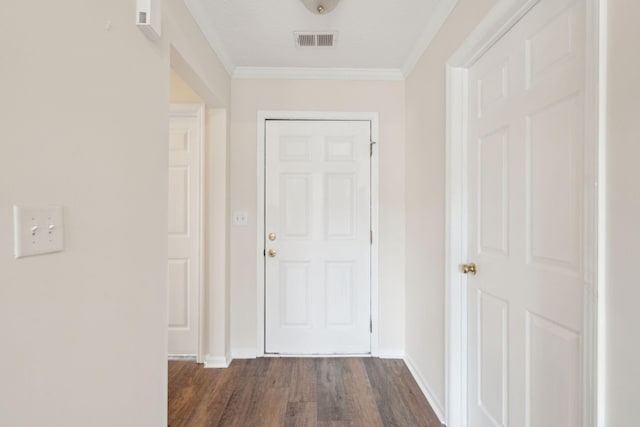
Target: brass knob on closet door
x,y
271,253
272,236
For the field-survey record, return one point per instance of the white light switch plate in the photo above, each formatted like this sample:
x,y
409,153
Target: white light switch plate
x,y
37,230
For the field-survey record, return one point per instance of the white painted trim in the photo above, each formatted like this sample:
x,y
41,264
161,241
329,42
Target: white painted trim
x,y
293,73
217,232
183,357
197,111
600,18
245,353
317,356
436,20
217,361
502,17
455,248
436,405
263,116
391,353
595,132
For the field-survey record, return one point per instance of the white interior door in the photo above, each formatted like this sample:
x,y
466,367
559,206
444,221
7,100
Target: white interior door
x,y
526,228
185,147
318,224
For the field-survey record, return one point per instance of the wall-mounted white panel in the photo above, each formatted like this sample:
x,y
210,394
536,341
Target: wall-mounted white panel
x,y
553,384
493,203
340,303
295,292
178,273
179,201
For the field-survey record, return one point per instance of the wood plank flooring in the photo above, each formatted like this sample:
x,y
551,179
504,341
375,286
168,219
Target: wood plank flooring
x,y
297,392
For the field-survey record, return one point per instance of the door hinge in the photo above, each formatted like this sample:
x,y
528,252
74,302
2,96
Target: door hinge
x,y
371,149
370,326
371,237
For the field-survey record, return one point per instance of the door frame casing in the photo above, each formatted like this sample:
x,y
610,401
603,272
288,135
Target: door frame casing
x,y
197,111
263,116
496,24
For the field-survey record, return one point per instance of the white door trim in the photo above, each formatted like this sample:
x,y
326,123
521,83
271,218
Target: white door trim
x,y
502,17
263,116
197,111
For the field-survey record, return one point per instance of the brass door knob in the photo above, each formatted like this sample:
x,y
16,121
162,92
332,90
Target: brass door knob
x,y
271,253
272,236
469,268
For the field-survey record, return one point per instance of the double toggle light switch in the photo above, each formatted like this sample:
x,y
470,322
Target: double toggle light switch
x,y
37,230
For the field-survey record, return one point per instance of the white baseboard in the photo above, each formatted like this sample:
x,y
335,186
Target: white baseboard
x,y
217,361
435,403
244,353
388,353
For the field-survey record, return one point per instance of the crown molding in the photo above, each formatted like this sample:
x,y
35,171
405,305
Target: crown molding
x,y
440,15
300,73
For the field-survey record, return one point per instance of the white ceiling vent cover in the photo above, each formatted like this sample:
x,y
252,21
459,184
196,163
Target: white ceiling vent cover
x,y
315,40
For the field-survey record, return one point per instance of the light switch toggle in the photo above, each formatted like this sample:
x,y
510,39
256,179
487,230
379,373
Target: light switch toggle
x,y
37,230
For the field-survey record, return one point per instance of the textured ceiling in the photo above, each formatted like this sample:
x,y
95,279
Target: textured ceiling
x,y
372,34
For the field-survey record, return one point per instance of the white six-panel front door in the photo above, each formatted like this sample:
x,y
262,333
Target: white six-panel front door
x,y
317,237
526,231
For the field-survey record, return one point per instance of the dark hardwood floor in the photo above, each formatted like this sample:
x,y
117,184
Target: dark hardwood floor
x,y
325,392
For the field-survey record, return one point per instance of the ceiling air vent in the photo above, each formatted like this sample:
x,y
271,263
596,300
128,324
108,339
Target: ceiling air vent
x,y
315,40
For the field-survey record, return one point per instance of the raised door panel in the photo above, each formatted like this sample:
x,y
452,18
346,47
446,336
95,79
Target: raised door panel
x,y
178,293
295,206
554,211
553,385
340,306
493,206
340,206
295,294
178,214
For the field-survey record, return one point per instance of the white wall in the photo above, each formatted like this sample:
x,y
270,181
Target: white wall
x,y
180,92
250,96
623,210
425,189
83,114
